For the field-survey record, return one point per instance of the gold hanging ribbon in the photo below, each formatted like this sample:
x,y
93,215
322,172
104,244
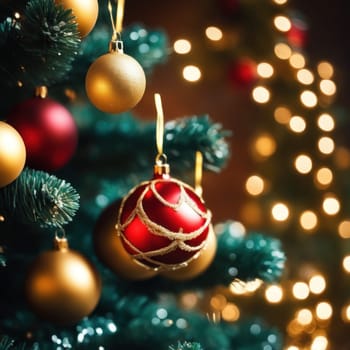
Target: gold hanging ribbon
x,y
117,25
160,126
198,171
119,16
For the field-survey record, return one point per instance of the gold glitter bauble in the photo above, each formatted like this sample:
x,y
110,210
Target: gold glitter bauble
x,y
62,286
198,265
12,154
115,82
85,12
110,249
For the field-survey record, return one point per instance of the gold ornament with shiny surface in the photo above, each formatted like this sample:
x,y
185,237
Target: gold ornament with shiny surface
x,y
198,265
85,12
12,154
110,250
62,286
115,82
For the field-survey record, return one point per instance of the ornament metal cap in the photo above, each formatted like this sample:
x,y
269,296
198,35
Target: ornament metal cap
x,y
161,169
41,91
61,243
116,46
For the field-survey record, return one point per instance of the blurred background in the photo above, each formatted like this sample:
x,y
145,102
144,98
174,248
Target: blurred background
x,y
274,75
230,104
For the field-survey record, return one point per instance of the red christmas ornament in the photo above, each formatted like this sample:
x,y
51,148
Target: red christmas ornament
x,y
48,130
242,72
297,35
162,222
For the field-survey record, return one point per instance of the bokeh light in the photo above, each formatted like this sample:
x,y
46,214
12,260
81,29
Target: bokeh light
x,y
182,46
324,310
304,317
213,33
274,294
265,145
191,73
319,343
300,290
346,263
326,145
303,164
324,176
230,312
254,185
325,70
297,124
283,51
328,87
308,220
264,70
282,23
282,115
297,60
308,99
326,122
305,76
331,205
261,94
280,212
344,229
345,313
317,284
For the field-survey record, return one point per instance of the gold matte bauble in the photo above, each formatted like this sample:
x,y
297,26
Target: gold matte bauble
x,y
62,286
12,154
115,82
198,265
110,249
85,12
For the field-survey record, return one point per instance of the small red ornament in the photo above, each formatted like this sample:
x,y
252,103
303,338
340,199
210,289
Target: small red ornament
x,y
297,35
242,72
48,130
162,222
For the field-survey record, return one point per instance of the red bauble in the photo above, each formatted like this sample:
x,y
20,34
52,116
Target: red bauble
x,y
297,35
163,223
242,72
48,130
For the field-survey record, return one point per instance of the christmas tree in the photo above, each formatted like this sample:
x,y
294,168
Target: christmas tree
x,y
110,235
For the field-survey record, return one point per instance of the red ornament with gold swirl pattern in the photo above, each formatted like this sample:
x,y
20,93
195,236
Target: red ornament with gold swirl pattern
x,y
163,223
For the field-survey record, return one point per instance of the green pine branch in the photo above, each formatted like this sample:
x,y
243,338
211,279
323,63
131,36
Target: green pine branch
x,y
39,47
245,257
39,198
186,346
182,138
6,343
